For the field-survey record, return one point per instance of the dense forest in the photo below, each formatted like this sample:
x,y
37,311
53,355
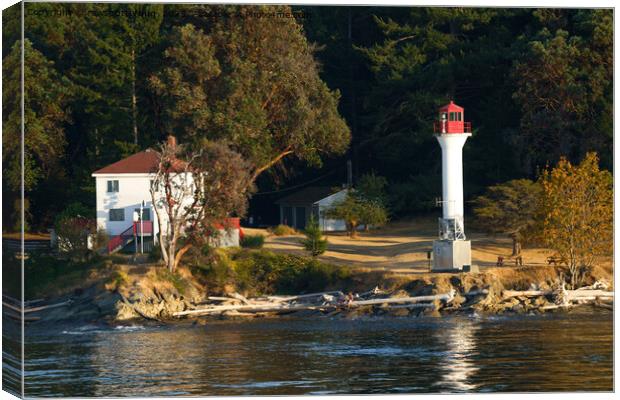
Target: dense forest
x,y
102,82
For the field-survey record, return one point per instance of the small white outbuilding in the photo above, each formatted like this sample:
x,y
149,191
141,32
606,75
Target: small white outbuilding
x,y
296,208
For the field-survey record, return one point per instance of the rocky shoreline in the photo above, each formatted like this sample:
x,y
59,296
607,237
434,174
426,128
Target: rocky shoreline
x,y
443,295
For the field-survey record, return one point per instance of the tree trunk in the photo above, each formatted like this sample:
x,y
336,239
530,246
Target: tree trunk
x,y
97,144
171,259
573,276
179,255
134,101
160,232
572,264
353,230
516,245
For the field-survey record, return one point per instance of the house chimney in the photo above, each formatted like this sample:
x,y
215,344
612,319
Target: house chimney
x,y
172,141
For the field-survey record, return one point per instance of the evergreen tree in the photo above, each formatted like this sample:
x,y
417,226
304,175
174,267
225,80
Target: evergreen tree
x,y
563,84
314,242
46,94
510,208
536,84
372,187
253,82
107,51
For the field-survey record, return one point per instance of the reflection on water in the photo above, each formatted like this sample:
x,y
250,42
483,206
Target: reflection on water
x,y
11,356
321,356
458,364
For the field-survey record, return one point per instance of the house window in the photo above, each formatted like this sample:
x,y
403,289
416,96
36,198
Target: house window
x,y
117,214
112,186
452,116
146,213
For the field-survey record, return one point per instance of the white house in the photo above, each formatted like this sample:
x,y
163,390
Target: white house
x,y
295,209
122,187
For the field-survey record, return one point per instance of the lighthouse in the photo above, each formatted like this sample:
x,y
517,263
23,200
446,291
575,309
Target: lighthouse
x,y
452,250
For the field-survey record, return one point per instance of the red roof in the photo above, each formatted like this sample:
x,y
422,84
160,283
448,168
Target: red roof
x,y
451,107
144,162
140,163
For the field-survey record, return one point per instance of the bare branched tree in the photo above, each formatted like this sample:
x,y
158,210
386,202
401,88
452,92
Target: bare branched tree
x,y
193,192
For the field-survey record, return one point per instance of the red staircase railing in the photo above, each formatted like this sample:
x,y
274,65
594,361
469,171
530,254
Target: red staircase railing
x,y
119,241
147,225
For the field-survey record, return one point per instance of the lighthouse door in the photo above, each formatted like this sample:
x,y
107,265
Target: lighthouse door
x,y
443,118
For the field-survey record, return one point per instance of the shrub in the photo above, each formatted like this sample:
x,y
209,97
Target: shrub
x,y
116,280
74,209
215,269
174,278
48,276
282,230
253,241
265,272
155,254
73,233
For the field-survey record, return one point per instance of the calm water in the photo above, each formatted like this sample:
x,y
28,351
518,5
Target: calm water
x,y
560,352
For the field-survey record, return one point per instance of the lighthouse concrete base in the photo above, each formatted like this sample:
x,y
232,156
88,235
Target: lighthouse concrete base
x,y
451,255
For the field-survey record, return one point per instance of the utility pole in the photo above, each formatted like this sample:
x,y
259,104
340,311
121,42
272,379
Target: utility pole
x,y
141,228
135,231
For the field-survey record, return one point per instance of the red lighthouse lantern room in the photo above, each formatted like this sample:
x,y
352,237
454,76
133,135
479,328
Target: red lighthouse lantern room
x,y
451,120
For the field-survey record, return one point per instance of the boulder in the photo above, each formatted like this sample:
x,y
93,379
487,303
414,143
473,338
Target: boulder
x,y
125,312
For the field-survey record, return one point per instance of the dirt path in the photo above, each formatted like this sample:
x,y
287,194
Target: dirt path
x,y
402,247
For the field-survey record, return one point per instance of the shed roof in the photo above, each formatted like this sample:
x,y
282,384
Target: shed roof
x,y
307,196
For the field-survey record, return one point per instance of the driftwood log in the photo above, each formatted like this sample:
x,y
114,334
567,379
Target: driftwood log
x,y
13,300
249,309
570,294
594,294
327,301
446,297
34,309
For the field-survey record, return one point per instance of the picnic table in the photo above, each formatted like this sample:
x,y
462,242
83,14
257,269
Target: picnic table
x,y
556,260
518,261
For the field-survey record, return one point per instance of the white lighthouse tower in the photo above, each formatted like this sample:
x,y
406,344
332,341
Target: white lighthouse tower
x,y
452,251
